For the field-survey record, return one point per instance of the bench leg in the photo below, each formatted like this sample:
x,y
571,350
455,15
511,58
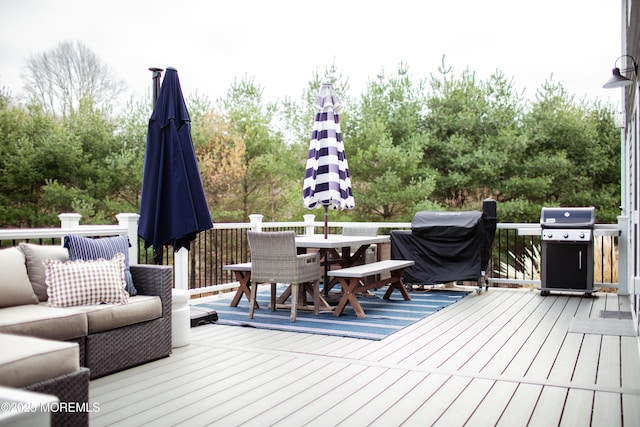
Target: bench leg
x,y
397,283
284,295
244,278
349,296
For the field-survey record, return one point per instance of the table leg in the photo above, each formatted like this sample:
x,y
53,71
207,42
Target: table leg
x,y
315,293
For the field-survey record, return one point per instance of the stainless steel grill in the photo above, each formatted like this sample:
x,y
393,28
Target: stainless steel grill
x,y
567,250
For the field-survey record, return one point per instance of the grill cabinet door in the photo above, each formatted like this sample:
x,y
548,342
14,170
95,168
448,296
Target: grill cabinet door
x,y
567,266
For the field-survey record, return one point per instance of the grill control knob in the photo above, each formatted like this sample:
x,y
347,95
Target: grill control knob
x,y
549,235
581,235
565,235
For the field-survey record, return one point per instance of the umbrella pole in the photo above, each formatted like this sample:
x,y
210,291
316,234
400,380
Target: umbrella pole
x,y
326,222
325,287
157,255
155,76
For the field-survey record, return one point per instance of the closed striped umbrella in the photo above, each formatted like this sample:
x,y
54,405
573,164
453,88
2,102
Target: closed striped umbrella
x,y
326,180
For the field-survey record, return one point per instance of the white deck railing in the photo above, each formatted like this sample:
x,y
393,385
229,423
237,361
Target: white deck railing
x,y
128,225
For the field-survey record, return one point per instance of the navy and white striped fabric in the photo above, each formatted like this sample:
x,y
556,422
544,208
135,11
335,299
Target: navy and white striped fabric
x,y
84,248
326,180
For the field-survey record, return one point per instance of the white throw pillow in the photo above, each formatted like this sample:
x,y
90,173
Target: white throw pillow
x,y
82,282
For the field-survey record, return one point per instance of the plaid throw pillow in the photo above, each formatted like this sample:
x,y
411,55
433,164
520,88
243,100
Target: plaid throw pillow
x,y
81,247
81,282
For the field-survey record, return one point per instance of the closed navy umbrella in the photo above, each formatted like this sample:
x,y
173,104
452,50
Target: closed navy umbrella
x,y
327,182
173,207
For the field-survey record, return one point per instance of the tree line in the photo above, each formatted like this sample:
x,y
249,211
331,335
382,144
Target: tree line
x,y
442,143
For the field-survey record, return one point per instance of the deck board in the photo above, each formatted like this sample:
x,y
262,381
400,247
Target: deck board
x,y
521,405
577,408
378,380
520,364
408,403
438,403
498,335
607,410
609,362
555,342
587,363
492,406
630,362
466,403
502,357
474,338
547,411
630,409
505,352
270,396
315,402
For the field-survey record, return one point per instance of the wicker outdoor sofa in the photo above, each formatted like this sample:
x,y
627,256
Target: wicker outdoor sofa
x,y
56,349
124,347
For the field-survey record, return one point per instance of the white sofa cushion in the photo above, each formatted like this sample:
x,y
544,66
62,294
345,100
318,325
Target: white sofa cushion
x,y
15,287
106,317
42,321
32,360
35,255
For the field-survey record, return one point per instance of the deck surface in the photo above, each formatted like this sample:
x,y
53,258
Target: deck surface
x,y
504,357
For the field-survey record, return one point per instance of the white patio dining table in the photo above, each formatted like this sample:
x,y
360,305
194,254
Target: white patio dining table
x,y
337,248
330,246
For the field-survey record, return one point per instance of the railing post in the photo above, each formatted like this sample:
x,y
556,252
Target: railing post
x,y
256,221
130,222
69,220
309,228
181,268
623,258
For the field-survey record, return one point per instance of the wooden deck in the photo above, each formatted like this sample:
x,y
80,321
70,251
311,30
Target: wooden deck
x,y
505,357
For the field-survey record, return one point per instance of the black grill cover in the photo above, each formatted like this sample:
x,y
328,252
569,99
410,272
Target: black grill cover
x,y
446,246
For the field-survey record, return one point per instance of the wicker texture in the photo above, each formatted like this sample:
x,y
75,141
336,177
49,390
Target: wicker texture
x,y
123,348
73,387
274,260
359,230
355,230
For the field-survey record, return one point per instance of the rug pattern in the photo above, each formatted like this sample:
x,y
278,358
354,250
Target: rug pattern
x,y
384,317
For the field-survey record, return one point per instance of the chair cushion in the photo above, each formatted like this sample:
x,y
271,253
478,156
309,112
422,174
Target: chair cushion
x,y
42,321
105,317
27,360
35,255
15,287
81,247
79,282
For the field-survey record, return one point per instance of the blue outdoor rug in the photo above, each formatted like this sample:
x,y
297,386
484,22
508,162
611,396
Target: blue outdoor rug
x,y
384,317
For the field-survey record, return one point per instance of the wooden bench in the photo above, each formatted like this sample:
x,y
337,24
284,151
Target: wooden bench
x,y
350,279
242,272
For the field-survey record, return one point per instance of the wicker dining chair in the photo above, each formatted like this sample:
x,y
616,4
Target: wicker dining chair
x,y
274,260
359,230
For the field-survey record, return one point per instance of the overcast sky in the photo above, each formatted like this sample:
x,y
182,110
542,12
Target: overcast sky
x,y
280,43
